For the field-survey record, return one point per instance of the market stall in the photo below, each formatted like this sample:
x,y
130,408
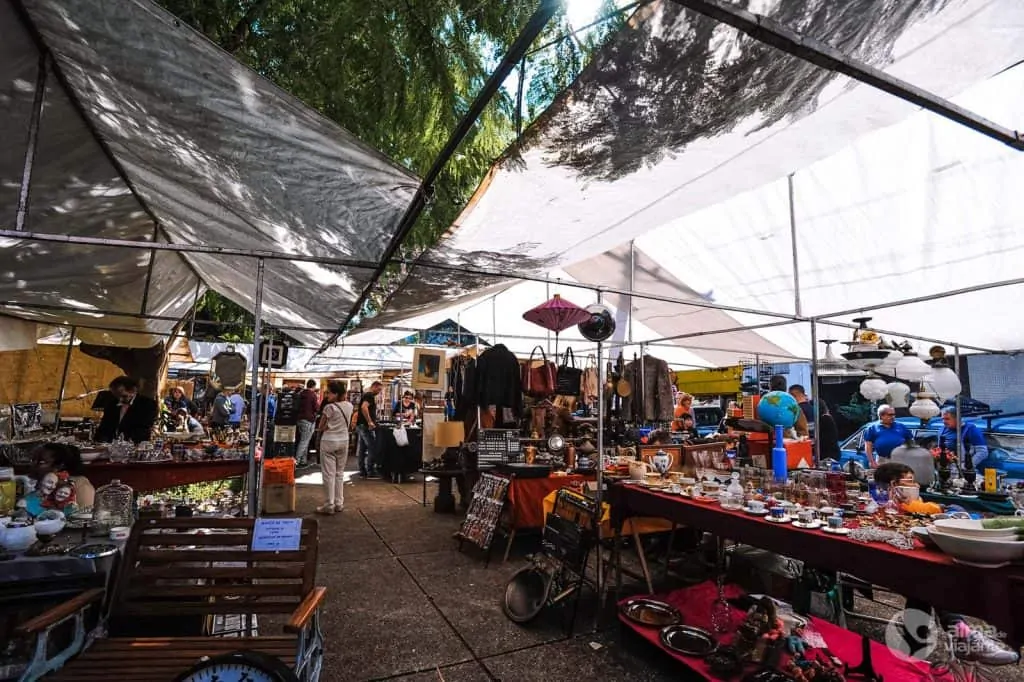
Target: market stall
x,y
993,594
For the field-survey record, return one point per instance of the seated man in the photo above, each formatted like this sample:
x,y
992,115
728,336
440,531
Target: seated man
x,y
972,645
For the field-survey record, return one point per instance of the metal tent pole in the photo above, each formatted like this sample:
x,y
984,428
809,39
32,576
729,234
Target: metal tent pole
x,y
797,308
959,429
253,479
599,493
33,142
64,376
632,286
814,392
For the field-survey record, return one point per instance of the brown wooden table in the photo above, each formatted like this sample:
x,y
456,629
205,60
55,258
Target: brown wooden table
x,y
995,595
144,477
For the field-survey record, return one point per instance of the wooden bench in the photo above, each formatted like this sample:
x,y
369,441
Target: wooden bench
x,y
198,568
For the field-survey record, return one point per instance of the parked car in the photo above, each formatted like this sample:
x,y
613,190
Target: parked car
x,y
708,417
1004,435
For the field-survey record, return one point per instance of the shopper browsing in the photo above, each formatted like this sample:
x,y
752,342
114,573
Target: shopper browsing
x,y
309,403
366,422
971,438
333,428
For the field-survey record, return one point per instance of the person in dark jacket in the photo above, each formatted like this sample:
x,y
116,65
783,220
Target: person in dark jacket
x,y
132,416
499,381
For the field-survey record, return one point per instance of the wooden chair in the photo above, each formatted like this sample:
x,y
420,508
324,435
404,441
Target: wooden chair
x,y
190,568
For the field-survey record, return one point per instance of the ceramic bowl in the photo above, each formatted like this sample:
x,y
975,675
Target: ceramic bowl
x,y
91,455
981,551
18,538
49,526
120,533
921,533
971,528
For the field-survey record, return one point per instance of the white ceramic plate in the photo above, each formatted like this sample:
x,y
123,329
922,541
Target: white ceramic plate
x,y
971,528
974,550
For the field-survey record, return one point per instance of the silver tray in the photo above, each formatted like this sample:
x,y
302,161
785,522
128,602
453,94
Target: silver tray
x,y
688,640
651,613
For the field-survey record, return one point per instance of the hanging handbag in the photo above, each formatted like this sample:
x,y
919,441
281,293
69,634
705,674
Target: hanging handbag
x,y
539,381
568,379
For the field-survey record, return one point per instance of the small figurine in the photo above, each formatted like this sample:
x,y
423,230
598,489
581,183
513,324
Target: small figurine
x,y
795,643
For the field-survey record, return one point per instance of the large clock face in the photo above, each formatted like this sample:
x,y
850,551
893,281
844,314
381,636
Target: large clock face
x,y
243,666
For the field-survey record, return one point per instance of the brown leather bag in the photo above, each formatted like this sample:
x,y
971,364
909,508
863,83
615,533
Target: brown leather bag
x,y
539,381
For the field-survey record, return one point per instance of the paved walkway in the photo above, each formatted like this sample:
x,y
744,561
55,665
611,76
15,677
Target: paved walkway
x,y
404,604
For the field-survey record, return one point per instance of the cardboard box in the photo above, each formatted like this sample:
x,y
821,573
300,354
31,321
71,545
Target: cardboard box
x,y
278,498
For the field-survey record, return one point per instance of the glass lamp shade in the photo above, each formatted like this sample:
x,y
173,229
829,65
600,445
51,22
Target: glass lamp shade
x,y
898,393
874,389
911,368
943,382
924,408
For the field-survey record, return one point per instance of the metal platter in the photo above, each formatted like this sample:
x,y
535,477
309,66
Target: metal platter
x,y
688,640
94,551
651,613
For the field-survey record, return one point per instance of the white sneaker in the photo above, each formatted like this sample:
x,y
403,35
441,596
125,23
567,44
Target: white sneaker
x,y
325,509
978,646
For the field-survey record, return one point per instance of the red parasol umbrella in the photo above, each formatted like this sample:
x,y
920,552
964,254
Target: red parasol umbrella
x,y
556,315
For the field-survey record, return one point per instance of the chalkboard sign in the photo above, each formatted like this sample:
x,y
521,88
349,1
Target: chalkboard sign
x,y
287,407
484,512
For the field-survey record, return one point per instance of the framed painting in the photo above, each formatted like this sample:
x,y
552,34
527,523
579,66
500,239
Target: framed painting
x,y
428,370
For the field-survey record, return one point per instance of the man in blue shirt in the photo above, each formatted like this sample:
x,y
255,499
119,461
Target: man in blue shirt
x,y
971,436
884,436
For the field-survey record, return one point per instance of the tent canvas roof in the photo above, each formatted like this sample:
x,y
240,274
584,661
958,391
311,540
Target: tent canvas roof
x,y
681,134
146,123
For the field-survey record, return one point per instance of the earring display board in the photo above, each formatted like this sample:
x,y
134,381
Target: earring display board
x,y
489,495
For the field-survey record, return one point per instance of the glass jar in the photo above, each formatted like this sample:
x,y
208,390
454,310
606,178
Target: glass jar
x,y
112,507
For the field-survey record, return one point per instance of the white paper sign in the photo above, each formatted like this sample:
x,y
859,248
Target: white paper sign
x,y
276,535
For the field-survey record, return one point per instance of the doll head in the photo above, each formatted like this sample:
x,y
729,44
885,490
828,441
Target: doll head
x,y
64,494
48,483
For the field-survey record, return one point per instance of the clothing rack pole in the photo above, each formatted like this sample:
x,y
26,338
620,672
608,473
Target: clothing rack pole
x,y
253,478
64,377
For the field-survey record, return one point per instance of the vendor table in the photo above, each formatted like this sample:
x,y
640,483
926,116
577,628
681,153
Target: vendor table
x,y
526,498
995,595
694,604
144,477
397,463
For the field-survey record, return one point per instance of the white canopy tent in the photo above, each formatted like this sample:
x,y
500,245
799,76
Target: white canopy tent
x,y
303,360
125,125
760,204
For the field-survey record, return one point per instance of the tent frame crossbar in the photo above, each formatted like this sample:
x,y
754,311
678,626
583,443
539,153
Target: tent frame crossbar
x,y
38,100
822,55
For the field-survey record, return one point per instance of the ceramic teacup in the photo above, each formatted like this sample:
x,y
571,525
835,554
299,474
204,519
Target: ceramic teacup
x,y
835,522
806,516
756,506
778,512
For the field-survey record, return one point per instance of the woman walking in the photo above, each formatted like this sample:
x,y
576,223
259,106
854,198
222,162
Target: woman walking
x,y
333,428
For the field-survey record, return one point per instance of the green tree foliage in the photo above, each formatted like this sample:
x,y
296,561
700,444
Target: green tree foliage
x,y
399,74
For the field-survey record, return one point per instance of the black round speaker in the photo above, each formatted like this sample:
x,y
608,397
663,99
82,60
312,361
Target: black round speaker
x,y
601,324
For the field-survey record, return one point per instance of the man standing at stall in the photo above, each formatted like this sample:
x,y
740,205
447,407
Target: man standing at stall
x,y
366,422
309,403
971,437
131,416
884,436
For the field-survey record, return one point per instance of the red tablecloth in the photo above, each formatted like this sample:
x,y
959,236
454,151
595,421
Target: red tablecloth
x,y
694,603
526,497
995,595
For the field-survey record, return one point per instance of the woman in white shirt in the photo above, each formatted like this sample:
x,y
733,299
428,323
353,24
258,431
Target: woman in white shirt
x,y
333,428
